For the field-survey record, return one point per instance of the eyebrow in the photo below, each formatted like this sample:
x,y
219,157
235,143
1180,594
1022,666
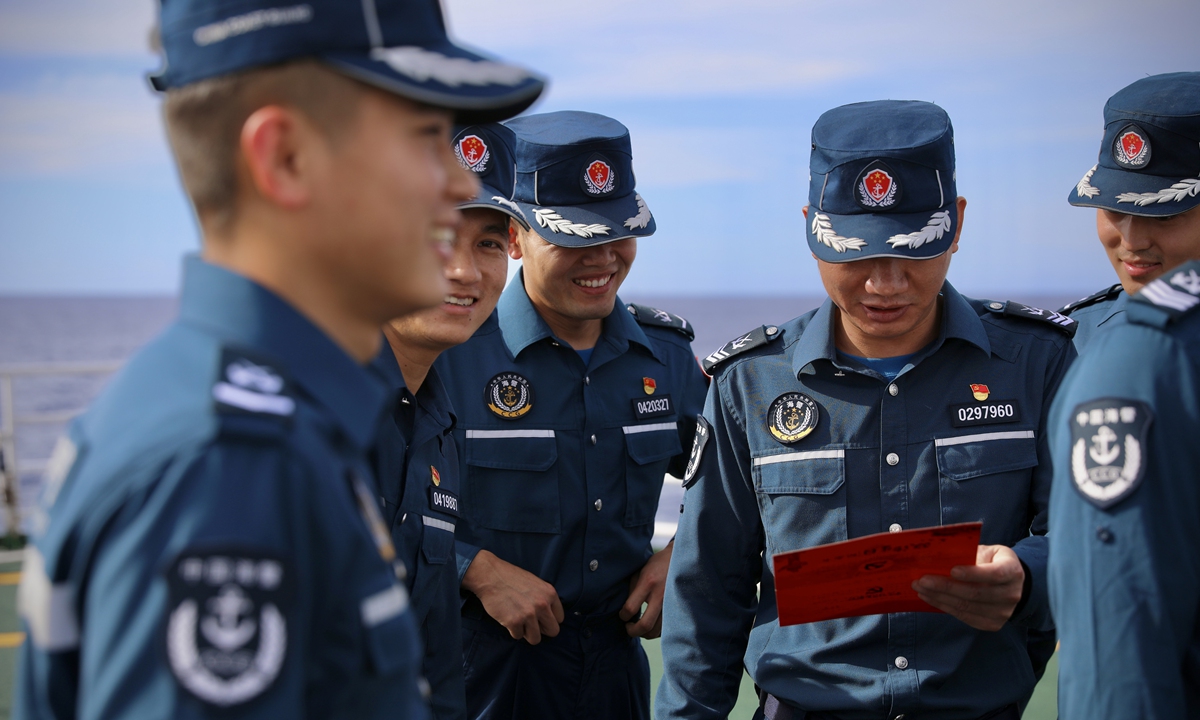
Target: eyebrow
x,y
501,229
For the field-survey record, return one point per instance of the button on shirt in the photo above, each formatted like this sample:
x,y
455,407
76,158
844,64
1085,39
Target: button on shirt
x,y
876,461
1125,578
531,484
417,467
208,513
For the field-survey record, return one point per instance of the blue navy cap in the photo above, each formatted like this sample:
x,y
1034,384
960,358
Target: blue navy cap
x,y
881,182
489,151
1150,155
575,179
395,45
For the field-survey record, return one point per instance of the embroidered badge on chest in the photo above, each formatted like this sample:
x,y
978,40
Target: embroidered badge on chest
x,y
1108,442
473,153
509,396
227,632
703,433
877,187
792,417
1131,149
599,178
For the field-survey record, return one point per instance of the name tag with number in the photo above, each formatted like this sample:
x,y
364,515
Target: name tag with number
x,y
985,413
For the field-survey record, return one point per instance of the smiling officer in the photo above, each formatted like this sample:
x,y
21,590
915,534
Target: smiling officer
x,y
1143,191
897,404
1124,568
572,406
214,546
416,457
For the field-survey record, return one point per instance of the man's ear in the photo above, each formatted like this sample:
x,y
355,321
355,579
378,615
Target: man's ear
x,y
280,153
961,205
804,211
515,237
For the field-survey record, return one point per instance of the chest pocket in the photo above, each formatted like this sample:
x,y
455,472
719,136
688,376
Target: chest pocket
x,y
437,539
650,447
512,480
801,498
987,476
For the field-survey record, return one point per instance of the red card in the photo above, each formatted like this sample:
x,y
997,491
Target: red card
x,y
868,575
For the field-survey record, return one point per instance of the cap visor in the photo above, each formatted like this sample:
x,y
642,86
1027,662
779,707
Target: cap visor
x,y
1134,193
478,89
592,224
911,236
490,198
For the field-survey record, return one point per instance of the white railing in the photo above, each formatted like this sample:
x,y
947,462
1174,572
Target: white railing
x,y
11,466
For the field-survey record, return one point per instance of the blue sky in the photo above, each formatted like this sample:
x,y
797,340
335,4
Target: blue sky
x,y
720,98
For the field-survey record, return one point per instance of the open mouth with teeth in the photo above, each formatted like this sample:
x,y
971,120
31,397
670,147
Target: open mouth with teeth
x,y
459,301
594,282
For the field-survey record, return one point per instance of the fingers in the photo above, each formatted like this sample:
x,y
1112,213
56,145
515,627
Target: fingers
x,y
548,618
638,596
649,626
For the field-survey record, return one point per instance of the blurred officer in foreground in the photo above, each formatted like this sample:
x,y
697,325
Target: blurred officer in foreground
x,y
215,546
572,406
897,404
1125,566
416,457
1142,192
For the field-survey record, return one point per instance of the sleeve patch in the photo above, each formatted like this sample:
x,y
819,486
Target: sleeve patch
x,y
227,633
654,317
757,337
703,433
1108,448
1058,321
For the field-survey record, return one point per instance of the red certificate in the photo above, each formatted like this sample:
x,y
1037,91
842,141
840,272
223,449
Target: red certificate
x,y
868,575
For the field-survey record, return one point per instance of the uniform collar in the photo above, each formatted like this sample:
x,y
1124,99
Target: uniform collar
x,y
1117,306
959,320
522,326
242,312
432,397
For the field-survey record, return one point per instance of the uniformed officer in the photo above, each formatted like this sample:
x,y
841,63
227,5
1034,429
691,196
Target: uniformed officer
x,y
1125,565
214,545
572,406
416,457
1140,189
897,404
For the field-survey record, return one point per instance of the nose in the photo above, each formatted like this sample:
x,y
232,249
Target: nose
x,y
598,255
461,267
887,276
1137,233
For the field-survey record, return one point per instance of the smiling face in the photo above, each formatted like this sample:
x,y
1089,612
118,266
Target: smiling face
x,y
1143,248
477,271
573,285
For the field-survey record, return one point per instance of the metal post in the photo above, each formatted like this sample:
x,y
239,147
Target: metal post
x,y
12,475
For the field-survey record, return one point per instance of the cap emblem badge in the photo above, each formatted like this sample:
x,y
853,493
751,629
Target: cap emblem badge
x,y
599,178
877,187
1132,149
472,153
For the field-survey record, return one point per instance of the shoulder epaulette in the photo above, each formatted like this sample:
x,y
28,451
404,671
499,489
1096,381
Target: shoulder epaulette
x,y
1107,293
251,393
654,317
1058,321
757,337
1174,296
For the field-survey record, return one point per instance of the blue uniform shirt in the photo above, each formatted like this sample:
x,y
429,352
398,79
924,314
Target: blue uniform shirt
x,y
1125,563
417,467
1095,312
920,451
213,544
566,483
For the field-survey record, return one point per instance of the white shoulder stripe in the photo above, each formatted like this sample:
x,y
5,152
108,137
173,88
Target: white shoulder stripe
x,y
985,437
488,434
796,456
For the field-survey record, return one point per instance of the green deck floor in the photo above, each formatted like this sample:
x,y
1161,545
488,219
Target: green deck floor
x,y
1042,707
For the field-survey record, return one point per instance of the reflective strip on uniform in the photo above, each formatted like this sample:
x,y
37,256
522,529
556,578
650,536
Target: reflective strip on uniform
x,y
49,609
252,401
632,429
484,434
984,437
439,524
794,456
384,605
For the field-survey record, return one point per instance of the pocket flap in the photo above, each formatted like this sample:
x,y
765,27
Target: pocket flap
x,y
652,442
971,456
512,449
814,472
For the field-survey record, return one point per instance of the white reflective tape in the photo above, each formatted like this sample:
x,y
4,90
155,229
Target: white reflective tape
x,y
439,524
484,434
985,437
384,605
48,609
633,429
795,456
252,401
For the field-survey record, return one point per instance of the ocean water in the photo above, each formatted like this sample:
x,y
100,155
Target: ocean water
x,y
47,330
